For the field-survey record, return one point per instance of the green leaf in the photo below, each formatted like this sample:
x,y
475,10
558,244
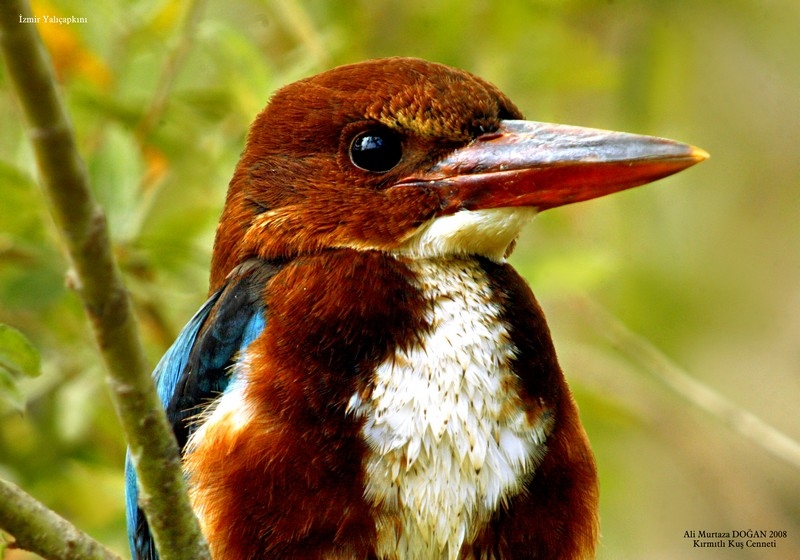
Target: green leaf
x,y
18,355
18,358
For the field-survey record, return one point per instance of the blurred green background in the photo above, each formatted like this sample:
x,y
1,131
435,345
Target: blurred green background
x,y
705,265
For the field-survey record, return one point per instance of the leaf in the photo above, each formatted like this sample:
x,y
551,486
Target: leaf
x,y
18,358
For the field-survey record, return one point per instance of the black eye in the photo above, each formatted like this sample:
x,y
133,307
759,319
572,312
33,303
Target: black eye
x,y
376,150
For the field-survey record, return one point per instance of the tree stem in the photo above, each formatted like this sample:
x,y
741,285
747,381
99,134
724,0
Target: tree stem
x,y
82,224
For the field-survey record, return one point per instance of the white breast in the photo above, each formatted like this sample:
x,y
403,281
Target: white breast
x,y
449,439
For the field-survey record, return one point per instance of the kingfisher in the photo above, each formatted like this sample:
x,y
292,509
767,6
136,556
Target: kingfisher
x,y
369,378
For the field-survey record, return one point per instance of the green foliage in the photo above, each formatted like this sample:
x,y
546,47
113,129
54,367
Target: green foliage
x,y
18,358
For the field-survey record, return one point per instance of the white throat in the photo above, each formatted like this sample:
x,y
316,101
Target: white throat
x,y
448,436
487,233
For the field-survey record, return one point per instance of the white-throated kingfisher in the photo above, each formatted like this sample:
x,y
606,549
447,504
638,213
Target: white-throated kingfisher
x,y
369,378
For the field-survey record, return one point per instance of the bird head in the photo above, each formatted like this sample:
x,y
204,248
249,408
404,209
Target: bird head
x,y
411,157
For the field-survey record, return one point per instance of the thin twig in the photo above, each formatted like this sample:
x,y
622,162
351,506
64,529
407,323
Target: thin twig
x,y
82,224
170,69
298,22
741,421
43,531
149,187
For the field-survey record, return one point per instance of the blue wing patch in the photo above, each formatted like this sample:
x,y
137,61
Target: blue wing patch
x,y
197,369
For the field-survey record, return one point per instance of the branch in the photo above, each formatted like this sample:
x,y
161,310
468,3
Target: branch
x,y
43,531
169,72
741,421
99,283
298,22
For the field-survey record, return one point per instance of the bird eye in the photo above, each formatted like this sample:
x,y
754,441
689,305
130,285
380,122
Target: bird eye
x,y
376,150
